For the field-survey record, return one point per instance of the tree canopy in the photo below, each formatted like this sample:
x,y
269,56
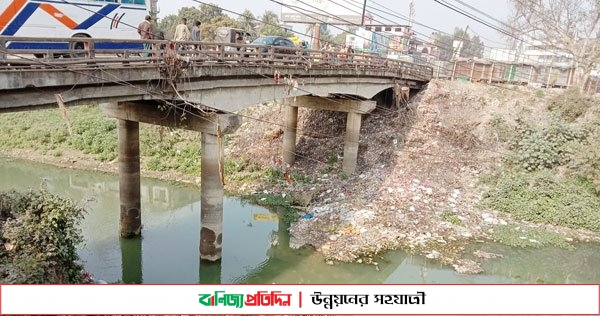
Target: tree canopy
x,y
562,26
472,46
270,25
247,21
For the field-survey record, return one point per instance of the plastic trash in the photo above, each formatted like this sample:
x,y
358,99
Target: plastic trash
x,y
307,216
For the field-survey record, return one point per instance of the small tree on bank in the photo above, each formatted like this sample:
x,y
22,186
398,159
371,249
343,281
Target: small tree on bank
x,y
570,26
39,235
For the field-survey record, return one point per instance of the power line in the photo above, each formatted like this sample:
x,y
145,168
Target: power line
x,y
462,12
481,12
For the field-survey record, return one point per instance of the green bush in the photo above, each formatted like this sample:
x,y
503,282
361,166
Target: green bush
x,y
585,158
537,147
39,233
544,197
571,104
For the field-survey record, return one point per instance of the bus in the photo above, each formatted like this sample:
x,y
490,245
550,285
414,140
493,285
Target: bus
x,y
106,19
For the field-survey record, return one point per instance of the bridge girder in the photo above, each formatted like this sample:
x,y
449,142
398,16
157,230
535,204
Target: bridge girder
x,y
222,87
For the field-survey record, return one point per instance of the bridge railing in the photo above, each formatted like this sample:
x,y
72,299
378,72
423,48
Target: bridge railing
x,y
88,51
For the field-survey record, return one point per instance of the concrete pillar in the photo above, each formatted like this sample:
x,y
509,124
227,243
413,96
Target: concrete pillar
x,y
289,135
351,142
129,178
211,218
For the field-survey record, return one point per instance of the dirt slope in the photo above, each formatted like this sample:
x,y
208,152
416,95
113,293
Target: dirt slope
x,y
416,184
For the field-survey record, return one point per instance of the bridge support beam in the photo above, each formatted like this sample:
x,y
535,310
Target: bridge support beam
x,y
210,124
211,218
353,121
355,110
289,134
129,179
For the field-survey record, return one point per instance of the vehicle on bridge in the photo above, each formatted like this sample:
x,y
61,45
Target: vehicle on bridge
x,y
105,19
280,45
226,34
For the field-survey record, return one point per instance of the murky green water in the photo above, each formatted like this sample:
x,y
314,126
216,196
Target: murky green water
x,y
255,242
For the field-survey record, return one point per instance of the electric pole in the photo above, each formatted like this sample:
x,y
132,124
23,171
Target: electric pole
x,y
317,36
154,9
362,23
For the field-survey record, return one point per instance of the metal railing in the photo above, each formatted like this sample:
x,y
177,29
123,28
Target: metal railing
x,y
85,51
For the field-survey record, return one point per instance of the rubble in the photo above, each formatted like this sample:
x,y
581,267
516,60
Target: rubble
x,y
416,185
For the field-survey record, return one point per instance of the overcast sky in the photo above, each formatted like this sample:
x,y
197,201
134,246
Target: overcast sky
x,y
427,12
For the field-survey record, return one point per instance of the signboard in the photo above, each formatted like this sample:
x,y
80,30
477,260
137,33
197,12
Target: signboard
x,y
320,11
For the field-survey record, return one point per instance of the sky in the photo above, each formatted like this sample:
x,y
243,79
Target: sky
x,y
427,12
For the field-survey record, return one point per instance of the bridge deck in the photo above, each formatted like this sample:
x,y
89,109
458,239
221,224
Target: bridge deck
x,y
202,75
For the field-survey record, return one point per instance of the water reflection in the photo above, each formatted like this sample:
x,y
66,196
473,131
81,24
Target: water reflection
x,y
131,261
255,242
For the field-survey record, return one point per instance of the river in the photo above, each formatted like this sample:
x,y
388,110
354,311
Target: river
x,y
254,242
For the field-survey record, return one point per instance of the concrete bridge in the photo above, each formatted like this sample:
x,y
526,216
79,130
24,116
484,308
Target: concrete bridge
x,y
201,89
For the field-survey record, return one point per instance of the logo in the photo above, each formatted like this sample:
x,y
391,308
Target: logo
x,y
261,298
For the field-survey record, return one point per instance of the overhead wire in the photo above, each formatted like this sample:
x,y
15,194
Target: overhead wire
x,y
244,68
327,14
474,18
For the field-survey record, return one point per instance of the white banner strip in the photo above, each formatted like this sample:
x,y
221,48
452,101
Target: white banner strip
x,y
300,299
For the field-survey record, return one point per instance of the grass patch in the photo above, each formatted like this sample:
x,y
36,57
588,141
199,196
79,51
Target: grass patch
x,y
515,236
544,197
277,175
45,131
450,217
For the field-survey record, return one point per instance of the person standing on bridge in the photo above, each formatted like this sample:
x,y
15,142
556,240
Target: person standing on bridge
x,y
182,32
146,33
196,35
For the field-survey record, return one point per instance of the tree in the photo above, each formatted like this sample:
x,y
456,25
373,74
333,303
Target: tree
x,y
562,26
191,14
270,25
247,21
210,29
326,37
340,39
211,17
472,46
167,25
208,12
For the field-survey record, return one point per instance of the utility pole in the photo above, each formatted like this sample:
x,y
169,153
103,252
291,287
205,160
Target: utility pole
x,y
362,23
317,36
457,51
154,9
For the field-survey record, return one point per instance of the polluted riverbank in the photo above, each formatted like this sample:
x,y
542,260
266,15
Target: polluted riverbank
x,y
432,177
421,181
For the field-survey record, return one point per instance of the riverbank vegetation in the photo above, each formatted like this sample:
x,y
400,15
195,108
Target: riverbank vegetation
x,y
39,234
552,167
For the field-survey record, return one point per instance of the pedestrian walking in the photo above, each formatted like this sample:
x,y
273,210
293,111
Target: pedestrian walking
x,y
146,33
